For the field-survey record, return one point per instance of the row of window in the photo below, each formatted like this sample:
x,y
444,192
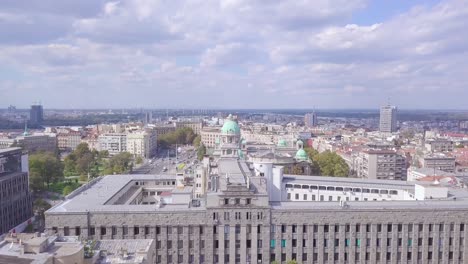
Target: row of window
x,y
305,197
347,227
367,242
304,257
273,228
340,189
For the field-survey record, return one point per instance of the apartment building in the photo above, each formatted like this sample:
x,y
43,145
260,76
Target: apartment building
x,y
142,143
439,161
113,142
381,164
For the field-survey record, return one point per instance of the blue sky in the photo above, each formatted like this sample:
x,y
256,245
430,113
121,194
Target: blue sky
x,y
234,53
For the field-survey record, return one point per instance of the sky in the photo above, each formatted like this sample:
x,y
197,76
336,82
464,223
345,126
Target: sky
x,y
234,53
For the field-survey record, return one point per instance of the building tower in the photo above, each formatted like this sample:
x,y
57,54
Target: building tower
x,y
388,119
310,119
230,138
36,115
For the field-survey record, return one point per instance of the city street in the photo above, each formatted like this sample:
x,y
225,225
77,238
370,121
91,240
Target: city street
x,y
158,164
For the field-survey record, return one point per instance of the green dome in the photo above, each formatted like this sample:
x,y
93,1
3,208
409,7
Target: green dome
x,y
302,155
230,127
282,143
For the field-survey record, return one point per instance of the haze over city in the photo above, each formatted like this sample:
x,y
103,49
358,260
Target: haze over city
x,y
233,54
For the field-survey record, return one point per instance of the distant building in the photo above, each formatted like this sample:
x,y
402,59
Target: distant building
x,y
69,140
439,161
439,145
31,143
310,119
388,119
114,143
39,248
381,164
195,126
165,129
16,200
36,115
148,117
142,143
210,136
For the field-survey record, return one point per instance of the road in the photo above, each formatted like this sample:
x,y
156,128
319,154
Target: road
x,y
157,164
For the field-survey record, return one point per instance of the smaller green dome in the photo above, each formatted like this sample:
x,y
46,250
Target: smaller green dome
x,y
282,143
230,127
302,155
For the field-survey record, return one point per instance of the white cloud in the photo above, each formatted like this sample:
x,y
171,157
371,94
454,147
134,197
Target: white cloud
x,y
291,53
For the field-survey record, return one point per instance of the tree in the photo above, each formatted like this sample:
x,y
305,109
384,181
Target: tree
x,y
67,190
201,152
331,164
139,160
44,168
197,141
119,163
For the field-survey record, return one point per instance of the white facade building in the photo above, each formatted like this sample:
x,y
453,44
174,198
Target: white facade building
x,y
113,142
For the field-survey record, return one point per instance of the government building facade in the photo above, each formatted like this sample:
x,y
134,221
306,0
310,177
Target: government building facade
x,y
254,212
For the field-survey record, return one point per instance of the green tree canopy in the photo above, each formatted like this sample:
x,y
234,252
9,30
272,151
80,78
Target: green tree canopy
x,y
119,163
328,163
201,151
44,168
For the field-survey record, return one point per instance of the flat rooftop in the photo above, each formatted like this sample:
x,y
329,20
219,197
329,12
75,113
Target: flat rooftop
x,y
95,195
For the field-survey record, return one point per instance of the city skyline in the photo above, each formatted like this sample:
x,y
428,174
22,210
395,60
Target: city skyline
x,y
230,54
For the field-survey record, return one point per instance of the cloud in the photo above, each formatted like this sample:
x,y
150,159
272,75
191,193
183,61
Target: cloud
x,y
289,53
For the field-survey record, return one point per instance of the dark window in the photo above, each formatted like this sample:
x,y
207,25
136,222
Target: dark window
x,y
103,231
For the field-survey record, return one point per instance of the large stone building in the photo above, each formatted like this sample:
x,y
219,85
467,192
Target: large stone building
x,y
388,119
210,136
15,198
381,164
254,213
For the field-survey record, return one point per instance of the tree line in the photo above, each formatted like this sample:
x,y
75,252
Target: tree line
x,y
46,168
183,135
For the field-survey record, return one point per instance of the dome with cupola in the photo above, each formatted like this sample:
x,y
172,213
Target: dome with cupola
x,y
301,155
230,126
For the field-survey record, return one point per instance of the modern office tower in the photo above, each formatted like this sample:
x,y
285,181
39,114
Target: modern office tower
x,y
148,117
388,119
381,164
36,115
15,198
254,213
310,119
